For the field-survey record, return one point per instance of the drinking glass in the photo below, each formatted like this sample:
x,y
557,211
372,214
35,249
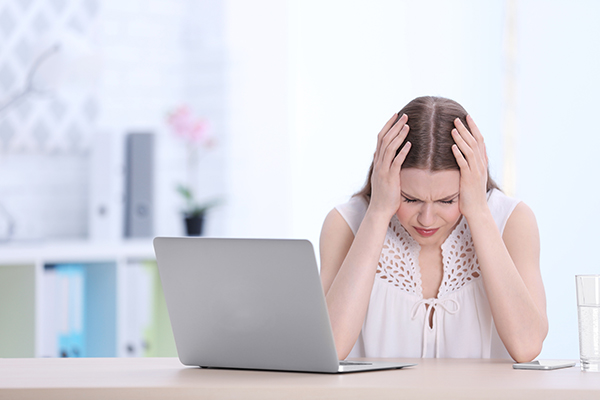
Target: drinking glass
x,y
588,309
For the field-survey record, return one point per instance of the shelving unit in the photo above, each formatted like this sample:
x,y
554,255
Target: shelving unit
x,y
119,283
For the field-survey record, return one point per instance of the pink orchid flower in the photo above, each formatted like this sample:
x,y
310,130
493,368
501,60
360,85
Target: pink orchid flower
x,y
186,126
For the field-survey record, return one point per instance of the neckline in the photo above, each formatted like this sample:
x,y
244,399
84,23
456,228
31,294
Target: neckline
x,y
416,247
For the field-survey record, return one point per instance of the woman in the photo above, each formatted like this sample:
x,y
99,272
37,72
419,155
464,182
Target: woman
x,y
430,258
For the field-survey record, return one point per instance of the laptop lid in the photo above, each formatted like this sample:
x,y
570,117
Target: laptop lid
x,y
246,303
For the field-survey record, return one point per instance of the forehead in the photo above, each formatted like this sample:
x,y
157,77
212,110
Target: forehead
x,y
425,184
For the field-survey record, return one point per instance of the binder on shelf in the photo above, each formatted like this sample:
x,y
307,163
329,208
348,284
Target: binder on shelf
x,y
101,309
148,330
79,310
49,314
138,309
139,186
160,334
70,309
106,199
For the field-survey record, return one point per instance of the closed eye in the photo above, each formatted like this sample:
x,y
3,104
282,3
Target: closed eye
x,y
452,199
407,200
447,201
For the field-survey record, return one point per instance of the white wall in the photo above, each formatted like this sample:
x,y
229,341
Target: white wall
x,y
259,182
558,141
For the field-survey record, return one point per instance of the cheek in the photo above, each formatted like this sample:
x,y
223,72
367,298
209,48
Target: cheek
x,y
404,213
452,214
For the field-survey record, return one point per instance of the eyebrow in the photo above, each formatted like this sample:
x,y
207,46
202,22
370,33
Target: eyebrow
x,y
447,198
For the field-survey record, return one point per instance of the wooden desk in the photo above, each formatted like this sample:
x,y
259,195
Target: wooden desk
x,y
166,378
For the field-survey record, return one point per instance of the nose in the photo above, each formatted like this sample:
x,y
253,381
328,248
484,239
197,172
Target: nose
x,y
426,216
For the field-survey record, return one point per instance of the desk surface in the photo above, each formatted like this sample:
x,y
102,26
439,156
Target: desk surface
x,y
153,378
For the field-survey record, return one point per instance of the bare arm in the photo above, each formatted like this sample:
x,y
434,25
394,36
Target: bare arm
x,y
348,263
510,263
348,284
511,275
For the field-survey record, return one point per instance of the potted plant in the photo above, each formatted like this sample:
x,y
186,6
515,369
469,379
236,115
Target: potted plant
x,y
194,212
193,132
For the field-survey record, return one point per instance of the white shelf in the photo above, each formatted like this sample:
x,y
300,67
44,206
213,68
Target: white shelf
x,y
106,263
49,252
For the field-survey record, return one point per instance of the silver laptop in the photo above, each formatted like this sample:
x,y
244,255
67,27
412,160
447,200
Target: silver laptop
x,y
249,304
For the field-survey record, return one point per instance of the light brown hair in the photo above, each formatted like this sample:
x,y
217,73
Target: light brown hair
x,y
431,119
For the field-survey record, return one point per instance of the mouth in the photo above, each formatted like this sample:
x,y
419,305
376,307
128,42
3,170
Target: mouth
x,y
426,232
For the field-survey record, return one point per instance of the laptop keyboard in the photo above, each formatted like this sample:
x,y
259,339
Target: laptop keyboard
x,y
343,363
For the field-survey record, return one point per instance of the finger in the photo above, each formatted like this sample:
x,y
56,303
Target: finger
x,y
476,147
390,135
388,125
485,153
463,146
394,145
465,134
399,160
460,159
391,122
477,135
383,131
474,129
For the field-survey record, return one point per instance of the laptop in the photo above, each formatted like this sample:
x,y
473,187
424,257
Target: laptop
x,y
249,304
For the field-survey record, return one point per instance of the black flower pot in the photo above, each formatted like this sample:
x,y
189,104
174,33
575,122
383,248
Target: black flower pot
x,y
194,224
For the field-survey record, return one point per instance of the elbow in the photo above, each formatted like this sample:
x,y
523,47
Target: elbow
x,y
343,355
343,345
525,357
528,349
526,353
342,351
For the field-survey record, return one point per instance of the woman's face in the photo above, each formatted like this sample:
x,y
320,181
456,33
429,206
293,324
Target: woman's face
x,y
429,208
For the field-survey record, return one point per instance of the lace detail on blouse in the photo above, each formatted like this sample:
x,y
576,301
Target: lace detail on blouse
x,y
460,261
399,260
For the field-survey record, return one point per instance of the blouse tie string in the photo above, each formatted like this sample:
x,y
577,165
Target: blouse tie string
x,y
433,304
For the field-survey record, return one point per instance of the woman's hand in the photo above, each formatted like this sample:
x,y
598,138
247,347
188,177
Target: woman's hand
x,y
385,180
471,157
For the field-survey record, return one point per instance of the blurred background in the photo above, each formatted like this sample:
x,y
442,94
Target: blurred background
x,y
266,112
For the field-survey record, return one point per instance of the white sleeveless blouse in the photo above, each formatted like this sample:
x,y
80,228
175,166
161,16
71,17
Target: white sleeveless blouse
x,y
396,323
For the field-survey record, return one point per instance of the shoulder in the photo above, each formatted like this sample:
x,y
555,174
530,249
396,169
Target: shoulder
x,y
353,212
499,202
334,222
521,224
335,241
342,223
514,218
522,239
339,228
502,207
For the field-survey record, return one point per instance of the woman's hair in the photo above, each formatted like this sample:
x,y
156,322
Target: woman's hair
x,y
431,119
